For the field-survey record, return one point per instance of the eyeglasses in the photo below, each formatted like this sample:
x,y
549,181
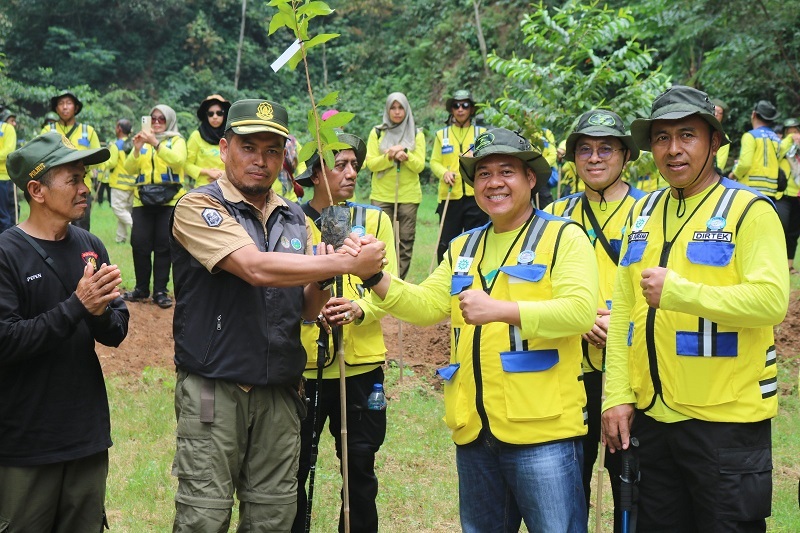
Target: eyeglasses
x,y
603,152
462,105
219,113
159,120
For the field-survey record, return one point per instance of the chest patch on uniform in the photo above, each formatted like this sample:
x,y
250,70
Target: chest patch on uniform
x,y
525,257
717,236
285,241
212,217
90,258
638,236
463,263
296,244
359,230
640,222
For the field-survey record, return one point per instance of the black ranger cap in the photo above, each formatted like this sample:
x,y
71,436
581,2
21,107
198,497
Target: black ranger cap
x,y
507,142
350,140
600,123
675,103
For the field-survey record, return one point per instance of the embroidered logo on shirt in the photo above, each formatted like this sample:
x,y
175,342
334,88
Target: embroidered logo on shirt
x,y
359,230
716,223
284,241
640,222
90,258
526,257
296,244
463,263
33,277
212,217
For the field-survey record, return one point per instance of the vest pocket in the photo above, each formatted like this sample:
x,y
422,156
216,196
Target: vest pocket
x,y
634,253
705,368
525,372
456,410
523,273
460,283
710,253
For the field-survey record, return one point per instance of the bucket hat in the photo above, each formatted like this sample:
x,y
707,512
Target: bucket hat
x,y
600,123
350,140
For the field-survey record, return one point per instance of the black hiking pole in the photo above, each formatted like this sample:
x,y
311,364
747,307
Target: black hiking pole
x,y
322,357
629,492
338,340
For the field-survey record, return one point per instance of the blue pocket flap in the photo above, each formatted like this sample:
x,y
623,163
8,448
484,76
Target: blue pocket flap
x,y
83,141
710,253
448,371
459,283
529,361
634,253
525,272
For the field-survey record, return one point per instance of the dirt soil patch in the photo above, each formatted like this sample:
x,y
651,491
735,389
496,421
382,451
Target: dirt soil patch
x,y
149,343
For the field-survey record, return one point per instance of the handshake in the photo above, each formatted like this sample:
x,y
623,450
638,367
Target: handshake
x,y
365,255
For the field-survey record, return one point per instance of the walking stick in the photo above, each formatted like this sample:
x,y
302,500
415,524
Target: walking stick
x,y
441,227
322,356
396,227
601,465
338,332
628,493
16,205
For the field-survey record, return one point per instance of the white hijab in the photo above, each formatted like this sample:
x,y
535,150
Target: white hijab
x,y
172,122
404,133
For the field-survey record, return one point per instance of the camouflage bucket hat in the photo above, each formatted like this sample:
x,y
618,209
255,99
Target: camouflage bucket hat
x,y
350,140
600,123
44,152
256,116
675,103
458,96
507,142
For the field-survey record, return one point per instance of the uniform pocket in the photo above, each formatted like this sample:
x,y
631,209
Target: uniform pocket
x,y
460,283
745,483
192,458
634,253
710,253
531,384
523,273
456,405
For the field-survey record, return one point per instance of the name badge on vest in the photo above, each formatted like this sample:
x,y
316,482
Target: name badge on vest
x,y
638,236
716,236
447,149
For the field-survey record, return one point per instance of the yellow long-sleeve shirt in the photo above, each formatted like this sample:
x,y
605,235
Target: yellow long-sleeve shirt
x,y
151,166
83,137
444,158
8,143
385,174
199,155
758,300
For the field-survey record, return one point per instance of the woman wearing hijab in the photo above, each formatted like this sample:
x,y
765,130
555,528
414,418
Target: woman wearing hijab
x,y
157,160
203,164
396,156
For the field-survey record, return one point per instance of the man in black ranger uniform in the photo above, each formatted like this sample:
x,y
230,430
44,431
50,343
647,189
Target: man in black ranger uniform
x,y
245,277
58,295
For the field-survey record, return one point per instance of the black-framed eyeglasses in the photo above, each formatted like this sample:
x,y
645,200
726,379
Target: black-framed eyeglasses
x,y
159,120
462,105
219,113
603,152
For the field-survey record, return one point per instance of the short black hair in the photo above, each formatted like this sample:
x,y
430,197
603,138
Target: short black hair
x,y
125,125
46,179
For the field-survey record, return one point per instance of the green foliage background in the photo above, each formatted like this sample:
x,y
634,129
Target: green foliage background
x,y
122,57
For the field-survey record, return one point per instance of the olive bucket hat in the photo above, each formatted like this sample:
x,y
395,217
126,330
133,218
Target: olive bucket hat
x,y
766,110
507,142
44,152
675,103
600,123
350,140
54,101
256,116
458,96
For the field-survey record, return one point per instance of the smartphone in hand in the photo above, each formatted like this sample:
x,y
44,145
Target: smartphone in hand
x,y
147,124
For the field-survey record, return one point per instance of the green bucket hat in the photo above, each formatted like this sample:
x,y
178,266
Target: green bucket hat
x,y
600,123
54,101
503,141
350,140
255,116
44,152
791,123
676,102
50,117
766,110
458,96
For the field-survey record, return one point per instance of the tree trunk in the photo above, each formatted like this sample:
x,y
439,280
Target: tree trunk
x,y
481,41
239,49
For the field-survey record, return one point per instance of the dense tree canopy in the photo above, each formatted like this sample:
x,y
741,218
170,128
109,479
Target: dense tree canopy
x,y
125,56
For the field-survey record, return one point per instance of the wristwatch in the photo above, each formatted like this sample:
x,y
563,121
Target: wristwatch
x,y
372,280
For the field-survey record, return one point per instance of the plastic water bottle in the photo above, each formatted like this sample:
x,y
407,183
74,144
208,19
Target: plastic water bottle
x,y
377,399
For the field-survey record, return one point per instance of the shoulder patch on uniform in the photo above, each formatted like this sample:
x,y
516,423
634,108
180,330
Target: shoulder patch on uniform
x,y
212,217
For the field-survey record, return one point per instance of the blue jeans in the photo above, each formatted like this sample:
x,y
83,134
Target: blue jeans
x,y
500,485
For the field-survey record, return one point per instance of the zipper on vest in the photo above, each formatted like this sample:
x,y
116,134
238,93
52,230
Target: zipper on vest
x,y
213,338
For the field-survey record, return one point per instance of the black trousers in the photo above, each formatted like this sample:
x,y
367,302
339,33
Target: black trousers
x,y
366,431
788,209
150,244
104,189
593,384
462,215
703,477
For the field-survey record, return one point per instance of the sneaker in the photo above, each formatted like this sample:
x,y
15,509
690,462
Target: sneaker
x,y
162,300
135,295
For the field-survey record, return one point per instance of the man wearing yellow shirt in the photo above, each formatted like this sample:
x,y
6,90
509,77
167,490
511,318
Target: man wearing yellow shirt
x,y
599,149
8,143
519,293
760,156
67,106
789,204
455,139
121,183
364,350
690,359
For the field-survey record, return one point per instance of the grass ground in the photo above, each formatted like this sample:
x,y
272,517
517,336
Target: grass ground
x,y
416,465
